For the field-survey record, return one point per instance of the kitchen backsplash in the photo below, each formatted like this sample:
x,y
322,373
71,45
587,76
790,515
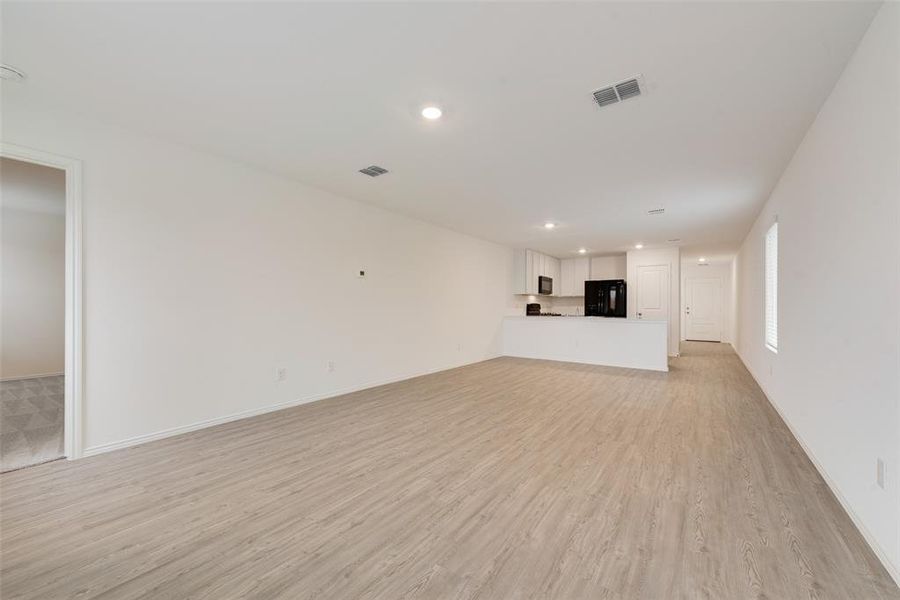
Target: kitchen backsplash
x,y
565,306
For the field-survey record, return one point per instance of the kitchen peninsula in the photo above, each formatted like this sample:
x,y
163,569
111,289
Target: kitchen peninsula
x,y
629,343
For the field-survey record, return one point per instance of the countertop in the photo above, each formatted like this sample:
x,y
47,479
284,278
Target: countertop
x,y
568,318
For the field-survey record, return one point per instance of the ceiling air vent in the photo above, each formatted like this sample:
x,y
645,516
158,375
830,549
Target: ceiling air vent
x,y
628,89
373,171
656,211
624,90
606,96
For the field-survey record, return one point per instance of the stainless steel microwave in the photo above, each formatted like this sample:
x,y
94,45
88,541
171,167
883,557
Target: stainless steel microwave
x,y
545,285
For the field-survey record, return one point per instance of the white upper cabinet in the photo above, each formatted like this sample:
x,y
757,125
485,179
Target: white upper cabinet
x,y
567,277
524,277
574,272
582,274
528,265
568,274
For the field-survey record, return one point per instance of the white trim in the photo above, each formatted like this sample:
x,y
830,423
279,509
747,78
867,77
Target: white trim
x,y
867,535
245,414
24,377
74,369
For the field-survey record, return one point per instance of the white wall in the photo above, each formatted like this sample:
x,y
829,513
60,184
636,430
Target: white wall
x,y
33,239
723,272
836,376
202,276
609,267
658,256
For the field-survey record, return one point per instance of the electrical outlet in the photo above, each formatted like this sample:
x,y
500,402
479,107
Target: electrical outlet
x,y
280,374
459,347
879,473
331,366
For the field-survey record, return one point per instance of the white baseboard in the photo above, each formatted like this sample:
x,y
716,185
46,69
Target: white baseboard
x,y
39,376
892,570
158,435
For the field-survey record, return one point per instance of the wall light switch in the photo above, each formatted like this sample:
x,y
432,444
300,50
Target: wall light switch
x,y
879,473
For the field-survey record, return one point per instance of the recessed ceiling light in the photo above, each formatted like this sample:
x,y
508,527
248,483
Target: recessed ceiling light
x,y
702,259
11,73
549,225
638,246
432,112
582,251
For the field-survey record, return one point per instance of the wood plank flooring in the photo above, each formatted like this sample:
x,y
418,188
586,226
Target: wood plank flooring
x,y
506,479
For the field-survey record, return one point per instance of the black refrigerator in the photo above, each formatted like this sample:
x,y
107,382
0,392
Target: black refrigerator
x,y
605,298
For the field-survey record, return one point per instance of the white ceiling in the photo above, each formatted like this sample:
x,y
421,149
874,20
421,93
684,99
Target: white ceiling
x,y
317,91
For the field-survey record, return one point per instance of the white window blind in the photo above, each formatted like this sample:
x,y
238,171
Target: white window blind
x,y
772,287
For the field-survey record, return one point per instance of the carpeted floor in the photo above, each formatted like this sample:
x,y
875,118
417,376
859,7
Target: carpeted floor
x,y
31,421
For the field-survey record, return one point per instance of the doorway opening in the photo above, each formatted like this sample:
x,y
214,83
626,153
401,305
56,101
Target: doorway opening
x,y
40,313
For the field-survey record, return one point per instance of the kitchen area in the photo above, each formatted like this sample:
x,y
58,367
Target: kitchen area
x,y
577,310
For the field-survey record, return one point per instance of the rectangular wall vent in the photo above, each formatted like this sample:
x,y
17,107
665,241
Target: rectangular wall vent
x,y
373,171
656,211
623,90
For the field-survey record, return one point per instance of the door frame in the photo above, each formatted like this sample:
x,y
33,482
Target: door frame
x,y
688,299
74,336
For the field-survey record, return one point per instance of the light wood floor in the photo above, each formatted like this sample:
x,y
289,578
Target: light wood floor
x,y
506,479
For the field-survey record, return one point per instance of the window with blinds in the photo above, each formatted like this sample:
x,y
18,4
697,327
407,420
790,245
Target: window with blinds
x,y
772,288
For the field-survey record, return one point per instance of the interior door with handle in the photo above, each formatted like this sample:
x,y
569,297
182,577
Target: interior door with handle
x,y
652,292
703,309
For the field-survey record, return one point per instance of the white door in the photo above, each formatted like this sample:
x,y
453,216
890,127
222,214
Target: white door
x,y
653,292
703,309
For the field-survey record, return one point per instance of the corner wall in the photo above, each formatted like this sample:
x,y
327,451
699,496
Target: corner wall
x,y
836,376
204,276
651,257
